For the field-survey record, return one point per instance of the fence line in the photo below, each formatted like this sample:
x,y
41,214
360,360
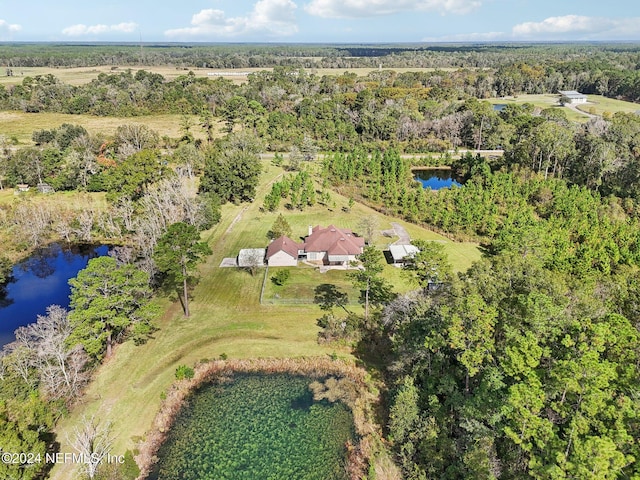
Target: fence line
x,y
264,282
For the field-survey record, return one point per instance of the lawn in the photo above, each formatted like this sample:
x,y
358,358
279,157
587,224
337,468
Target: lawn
x,y
596,105
301,286
226,318
600,105
542,101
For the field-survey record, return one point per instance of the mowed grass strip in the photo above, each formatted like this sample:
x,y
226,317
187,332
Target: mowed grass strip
x,y
226,318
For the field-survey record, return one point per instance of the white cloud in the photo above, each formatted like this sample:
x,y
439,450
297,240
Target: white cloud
x,y
579,27
371,8
9,27
268,17
80,29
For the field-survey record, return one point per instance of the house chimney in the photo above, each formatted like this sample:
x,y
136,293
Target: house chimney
x,y
310,230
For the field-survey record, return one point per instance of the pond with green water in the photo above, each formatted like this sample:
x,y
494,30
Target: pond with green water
x,y
257,427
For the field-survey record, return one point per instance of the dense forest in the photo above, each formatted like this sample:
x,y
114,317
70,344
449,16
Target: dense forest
x,y
525,366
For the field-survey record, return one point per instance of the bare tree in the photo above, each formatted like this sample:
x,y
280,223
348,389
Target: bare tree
x,y
62,224
5,152
254,260
368,226
94,442
20,359
3,365
33,221
84,225
61,370
132,138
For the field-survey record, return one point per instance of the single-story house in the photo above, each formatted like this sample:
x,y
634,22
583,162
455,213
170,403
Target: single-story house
x,y
251,257
329,246
332,245
283,252
572,97
399,253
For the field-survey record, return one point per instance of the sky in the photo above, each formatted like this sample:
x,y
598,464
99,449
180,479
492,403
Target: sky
x,y
320,21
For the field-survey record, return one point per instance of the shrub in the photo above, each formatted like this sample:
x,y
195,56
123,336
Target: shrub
x,y
183,372
281,277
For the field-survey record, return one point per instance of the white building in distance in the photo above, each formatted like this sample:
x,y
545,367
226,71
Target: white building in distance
x,y
572,97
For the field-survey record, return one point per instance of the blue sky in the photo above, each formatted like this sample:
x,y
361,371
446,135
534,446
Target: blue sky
x,y
319,20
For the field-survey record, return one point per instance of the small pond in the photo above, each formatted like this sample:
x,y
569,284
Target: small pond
x,y
498,107
40,281
257,427
436,178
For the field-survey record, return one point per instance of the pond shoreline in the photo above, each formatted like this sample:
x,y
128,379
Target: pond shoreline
x,y
40,280
432,167
362,407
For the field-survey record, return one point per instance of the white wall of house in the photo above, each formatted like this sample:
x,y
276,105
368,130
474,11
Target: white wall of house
x,y
341,259
282,259
316,256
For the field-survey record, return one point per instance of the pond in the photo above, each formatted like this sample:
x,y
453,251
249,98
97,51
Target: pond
x,y
436,178
40,281
258,426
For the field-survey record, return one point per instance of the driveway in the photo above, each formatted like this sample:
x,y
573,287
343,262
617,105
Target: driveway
x,y
401,232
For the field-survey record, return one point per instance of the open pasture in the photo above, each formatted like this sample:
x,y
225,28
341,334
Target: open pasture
x,y
22,125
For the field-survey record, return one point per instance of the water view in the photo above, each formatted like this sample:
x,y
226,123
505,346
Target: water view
x,y
259,426
40,281
436,178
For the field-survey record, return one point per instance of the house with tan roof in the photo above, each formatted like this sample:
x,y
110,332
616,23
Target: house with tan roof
x,y
327,246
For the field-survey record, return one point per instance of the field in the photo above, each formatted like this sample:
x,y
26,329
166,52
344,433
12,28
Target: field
x,y
226,318
82,75
22,125
542,101
597,105
600,105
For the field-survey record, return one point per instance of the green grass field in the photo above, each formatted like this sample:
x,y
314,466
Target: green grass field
x,y
541,101
226,318
597,105
600,105
301,286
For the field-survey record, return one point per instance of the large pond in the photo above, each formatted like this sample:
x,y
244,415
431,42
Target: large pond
x,y
257,427
436,178
40,281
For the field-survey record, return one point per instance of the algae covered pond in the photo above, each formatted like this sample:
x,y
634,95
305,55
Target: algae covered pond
x,y
257,427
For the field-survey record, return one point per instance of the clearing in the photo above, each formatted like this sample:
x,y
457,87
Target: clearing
x,y
22,125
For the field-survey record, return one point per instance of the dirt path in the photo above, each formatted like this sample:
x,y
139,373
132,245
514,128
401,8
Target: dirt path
x,y
235,220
